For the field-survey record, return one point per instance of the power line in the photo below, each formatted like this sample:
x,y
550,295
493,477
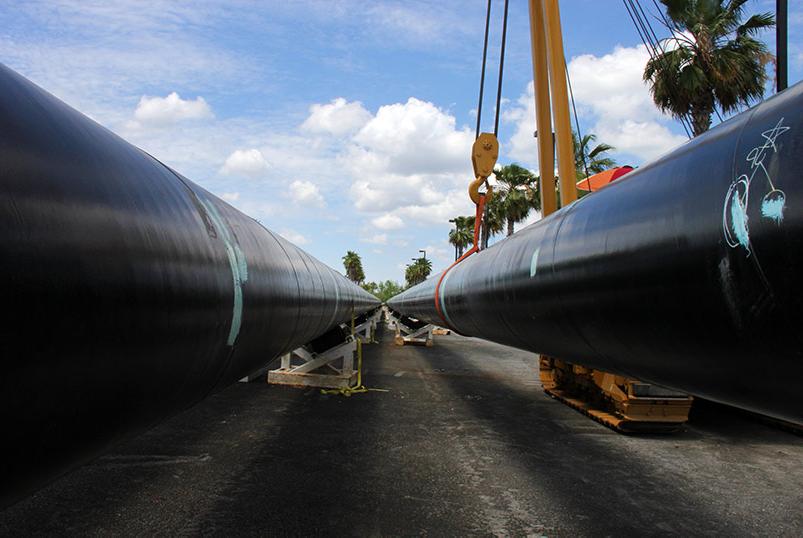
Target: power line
x,y
654,44
644,29
649,25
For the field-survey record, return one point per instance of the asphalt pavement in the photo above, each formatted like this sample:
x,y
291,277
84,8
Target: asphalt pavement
x,y
463,443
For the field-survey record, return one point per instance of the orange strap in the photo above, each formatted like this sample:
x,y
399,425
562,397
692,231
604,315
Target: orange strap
x,y
472,250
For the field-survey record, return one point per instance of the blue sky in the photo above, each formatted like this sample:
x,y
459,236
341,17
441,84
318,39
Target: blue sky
x,y
342,125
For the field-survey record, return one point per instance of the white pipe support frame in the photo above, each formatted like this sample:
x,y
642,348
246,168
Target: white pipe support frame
x,y
405,335
366,331
339,360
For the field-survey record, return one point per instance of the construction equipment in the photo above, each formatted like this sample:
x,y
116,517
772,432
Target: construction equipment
x,y
626,405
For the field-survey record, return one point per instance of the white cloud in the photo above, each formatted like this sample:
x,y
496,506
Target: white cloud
x,y
609,92
245,162
410,155
442,254
388,221
415,137
612,88
419,24
230,196
646,139
450,204
523,145
160,111
338,117
306,193
612,85
377,239
294,237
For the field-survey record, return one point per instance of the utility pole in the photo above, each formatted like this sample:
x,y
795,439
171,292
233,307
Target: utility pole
x,y
454,221
781,44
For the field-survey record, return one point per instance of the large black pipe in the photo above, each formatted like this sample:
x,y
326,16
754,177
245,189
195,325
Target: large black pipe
x,y
129,292
687,272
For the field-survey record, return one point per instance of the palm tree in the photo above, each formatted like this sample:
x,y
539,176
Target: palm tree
x,y
592,159
711,59
494,219
353,265
411,275
463,233
418,271
517,194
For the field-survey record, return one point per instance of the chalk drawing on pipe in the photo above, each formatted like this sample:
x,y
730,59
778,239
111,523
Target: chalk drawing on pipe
x,y
735,221
237,264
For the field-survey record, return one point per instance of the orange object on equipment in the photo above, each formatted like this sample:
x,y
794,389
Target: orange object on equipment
x,y
597,181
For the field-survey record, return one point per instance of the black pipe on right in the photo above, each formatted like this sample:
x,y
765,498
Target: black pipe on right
x,y
687,272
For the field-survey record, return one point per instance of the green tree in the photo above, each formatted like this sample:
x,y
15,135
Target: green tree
x,y
388,289
713,58
494,219
517,194
593,159
371,287
383,290
418,271
353,265
410,275
463,233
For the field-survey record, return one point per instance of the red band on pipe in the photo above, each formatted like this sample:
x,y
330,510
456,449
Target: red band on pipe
x,y
472,250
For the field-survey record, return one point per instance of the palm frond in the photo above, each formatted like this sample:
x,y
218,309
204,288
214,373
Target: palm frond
x,y
755,24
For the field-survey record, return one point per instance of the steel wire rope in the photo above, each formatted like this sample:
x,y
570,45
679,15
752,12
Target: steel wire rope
x,y
577,124
656,40
651,50
649,25
482,73
501,70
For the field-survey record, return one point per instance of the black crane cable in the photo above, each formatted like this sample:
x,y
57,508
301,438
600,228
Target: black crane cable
x,y
651,50
501,70
649,25
482,74
482,78
671,28
579,133
646,21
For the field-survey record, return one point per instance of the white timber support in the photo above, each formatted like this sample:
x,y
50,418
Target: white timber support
x,y
405,335
366,331
332,369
